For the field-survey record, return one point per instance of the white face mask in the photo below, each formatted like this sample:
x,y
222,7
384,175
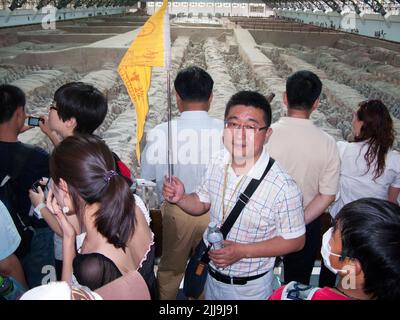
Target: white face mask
x,y
326,251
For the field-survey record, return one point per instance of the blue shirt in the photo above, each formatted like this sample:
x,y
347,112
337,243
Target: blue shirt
x,y
9,237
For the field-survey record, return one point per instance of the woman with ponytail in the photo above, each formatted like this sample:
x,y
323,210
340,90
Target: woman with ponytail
x,y
114,236
369,166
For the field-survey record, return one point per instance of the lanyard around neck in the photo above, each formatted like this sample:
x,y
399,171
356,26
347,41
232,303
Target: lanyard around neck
x,y
224,190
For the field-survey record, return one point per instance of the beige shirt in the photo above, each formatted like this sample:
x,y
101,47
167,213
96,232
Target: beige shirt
x,y
308,154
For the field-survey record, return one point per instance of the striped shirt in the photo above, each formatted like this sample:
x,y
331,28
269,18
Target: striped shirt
x,y
275,208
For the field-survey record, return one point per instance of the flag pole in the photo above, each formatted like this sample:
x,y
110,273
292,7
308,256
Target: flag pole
x,y
150,48
169,151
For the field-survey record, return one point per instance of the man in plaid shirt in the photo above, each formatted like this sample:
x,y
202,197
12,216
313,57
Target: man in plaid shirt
x,y
272,222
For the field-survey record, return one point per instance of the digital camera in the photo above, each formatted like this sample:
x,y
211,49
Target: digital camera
x,y
34,121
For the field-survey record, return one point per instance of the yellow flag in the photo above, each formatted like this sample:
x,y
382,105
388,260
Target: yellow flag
x,y
151,48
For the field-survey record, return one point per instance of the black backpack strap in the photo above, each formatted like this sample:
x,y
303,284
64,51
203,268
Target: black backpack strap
x,y
244,198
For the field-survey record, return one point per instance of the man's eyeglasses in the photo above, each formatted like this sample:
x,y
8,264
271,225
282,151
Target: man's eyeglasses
x,y
247,127
53,106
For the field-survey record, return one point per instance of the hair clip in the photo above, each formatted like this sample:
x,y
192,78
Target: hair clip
x,y
108,175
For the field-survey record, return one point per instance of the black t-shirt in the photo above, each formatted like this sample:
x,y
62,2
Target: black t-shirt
x,y
34,168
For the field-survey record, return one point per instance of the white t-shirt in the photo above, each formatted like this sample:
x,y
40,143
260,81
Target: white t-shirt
x,y
355,182
196,138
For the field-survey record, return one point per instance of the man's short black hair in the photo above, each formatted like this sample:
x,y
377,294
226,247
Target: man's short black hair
x,y
251,99
193,84
303,88
11,97
83,102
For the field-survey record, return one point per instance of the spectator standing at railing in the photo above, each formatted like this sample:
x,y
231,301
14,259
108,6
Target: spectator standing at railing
x,y
195,138
311,157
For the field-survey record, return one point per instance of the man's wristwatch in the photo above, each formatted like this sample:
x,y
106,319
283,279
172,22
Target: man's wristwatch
x,y
39,207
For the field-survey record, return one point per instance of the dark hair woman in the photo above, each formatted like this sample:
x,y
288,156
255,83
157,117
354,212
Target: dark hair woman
x,y
116,237
369,167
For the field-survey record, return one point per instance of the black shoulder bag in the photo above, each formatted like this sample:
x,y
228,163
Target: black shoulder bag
x,y
197,268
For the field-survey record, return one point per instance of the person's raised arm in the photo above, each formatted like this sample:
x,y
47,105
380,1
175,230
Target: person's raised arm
x,y
174,192
38,198
69,237
44,126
